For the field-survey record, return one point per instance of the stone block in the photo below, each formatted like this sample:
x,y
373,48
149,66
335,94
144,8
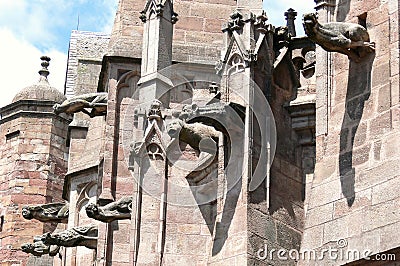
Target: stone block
x,y
325,169
262,225
379,126
380,215
287,237
213,25
389,237
325,193
381,74
319,215
384,99
386,191
361,155
360,134
190,24
207,10
189,229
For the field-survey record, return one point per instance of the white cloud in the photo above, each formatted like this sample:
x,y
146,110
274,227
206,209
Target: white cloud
x,y
276,9
32,28
21,63
111,8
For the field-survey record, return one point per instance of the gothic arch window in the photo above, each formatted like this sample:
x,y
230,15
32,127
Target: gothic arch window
x,y
155,152
236,64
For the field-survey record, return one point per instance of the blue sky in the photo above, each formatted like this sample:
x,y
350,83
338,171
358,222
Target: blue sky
x,y
31,28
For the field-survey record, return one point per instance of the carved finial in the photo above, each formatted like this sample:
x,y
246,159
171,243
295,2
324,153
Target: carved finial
x,y
44,72
155,110
290,15
236,21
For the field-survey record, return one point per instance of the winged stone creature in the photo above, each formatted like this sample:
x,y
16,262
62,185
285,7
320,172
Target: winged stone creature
x,y
346,38
97,102
51,212
38,248
118,210
77,236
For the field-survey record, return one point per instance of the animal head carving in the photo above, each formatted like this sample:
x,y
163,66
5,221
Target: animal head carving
x,y
57,108
27,247
92,210
26,213
174,127
188,111
310,20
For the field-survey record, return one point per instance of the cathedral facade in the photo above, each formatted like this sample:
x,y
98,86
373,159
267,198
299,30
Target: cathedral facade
x,y
198,133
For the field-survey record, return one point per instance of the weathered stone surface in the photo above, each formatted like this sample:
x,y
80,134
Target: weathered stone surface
x,y
52,212
96,101
39,248
118,210
77,236
346,38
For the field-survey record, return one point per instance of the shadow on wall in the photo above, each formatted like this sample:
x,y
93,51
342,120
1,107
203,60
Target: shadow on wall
x,y
358,91
343,8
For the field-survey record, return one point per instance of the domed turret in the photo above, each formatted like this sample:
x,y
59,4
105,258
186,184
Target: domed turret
x,y
41,91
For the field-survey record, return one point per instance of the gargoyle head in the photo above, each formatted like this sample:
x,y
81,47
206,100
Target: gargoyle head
x,y
57,108
28,247
174,127
92,210
310,21
48,239
26,213
188,111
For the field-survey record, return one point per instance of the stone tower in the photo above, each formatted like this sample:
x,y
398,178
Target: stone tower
x,y
32,162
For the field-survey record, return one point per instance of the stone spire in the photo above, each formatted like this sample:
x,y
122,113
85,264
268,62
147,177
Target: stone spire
x,y
158,17
41,91
290,16
44,72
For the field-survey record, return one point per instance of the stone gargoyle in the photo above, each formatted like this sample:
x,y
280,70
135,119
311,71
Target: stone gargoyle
x,y
77,236
51,212
191,134
96,101
117,210
228,115
39,248
346,38
200,137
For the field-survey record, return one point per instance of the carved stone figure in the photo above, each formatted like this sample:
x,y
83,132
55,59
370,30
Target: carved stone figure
x,y
229,116
118,210
51,212
191,134
96,101
347,38
155,110
77,236
39,248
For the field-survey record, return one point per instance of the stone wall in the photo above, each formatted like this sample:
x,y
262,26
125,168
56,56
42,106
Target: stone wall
x,y
86,50
197,34
354,195
32,165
